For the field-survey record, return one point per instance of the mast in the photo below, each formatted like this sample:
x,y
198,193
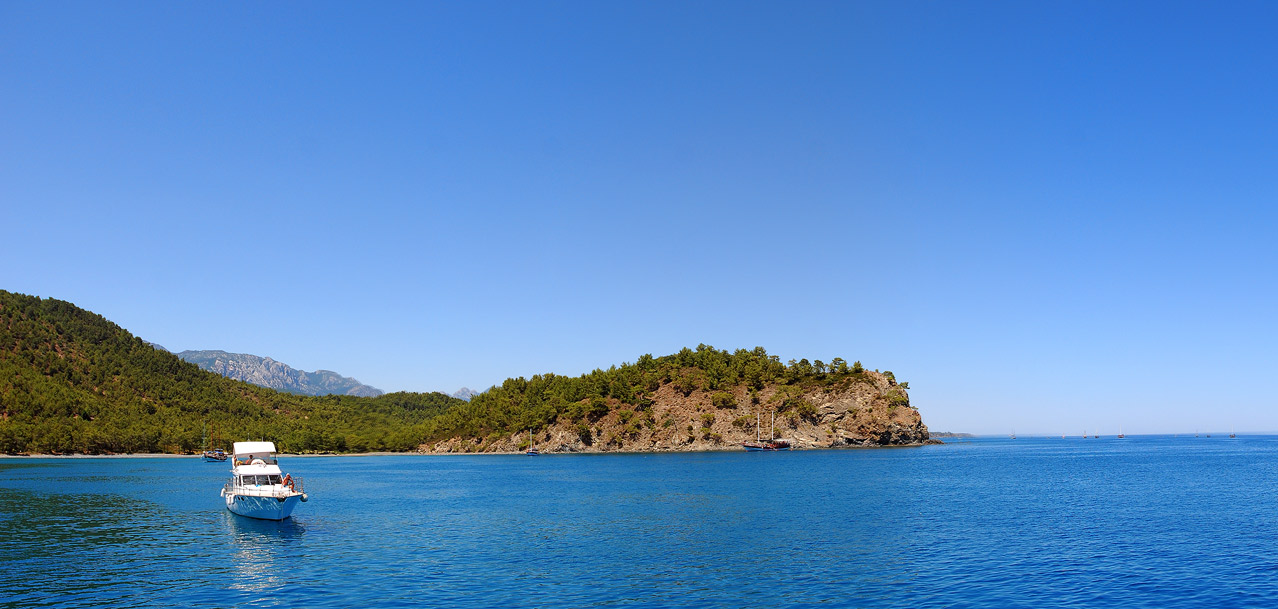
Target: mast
x,y
758,428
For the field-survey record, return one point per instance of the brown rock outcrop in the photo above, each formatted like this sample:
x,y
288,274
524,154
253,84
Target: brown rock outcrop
x,y
868,409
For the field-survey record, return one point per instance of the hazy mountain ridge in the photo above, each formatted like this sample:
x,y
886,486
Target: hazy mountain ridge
x,y
266,372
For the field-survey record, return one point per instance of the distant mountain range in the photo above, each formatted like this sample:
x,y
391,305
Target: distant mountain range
x,y
266,372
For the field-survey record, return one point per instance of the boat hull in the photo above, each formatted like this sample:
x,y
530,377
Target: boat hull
x,y
262,508
764,447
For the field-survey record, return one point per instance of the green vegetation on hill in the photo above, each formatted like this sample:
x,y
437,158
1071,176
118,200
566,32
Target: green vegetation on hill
x,y
72,381
520,404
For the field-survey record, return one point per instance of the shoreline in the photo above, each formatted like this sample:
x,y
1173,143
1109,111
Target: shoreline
x,y
428,454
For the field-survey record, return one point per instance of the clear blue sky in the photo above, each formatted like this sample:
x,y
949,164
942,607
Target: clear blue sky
x,y
1046,216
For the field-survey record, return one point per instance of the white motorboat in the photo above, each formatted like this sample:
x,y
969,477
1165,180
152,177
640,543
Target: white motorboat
x,y
258,489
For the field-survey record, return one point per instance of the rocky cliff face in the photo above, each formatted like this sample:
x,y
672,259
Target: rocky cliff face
x,y
266,372
870,411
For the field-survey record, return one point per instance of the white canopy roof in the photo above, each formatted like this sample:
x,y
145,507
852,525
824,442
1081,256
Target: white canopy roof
x,y
253,448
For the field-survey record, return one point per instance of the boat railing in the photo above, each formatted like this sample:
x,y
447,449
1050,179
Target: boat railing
x,y
269,490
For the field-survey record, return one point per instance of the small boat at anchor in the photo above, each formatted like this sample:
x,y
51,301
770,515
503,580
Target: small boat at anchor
x,y
532,448
258,489
770,445
210,453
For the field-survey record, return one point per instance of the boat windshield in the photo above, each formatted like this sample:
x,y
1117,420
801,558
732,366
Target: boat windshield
x,y
260,480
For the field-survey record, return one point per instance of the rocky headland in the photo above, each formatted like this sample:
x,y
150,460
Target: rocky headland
x,y
869,410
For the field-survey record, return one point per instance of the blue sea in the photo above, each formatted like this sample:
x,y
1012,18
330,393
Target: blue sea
x,y
1035,522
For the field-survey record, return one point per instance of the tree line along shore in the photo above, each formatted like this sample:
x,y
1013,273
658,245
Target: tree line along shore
x,y
71,381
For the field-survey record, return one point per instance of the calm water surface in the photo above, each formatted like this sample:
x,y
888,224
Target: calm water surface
x,y
1139,522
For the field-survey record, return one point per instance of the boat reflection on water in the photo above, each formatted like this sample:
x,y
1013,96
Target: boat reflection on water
x,y
258,564
256,531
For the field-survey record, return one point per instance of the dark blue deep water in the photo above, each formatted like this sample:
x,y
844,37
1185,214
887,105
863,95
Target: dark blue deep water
x,y
1139,522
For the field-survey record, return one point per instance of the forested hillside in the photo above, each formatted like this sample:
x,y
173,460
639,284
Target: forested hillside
x,y
72,381
697,399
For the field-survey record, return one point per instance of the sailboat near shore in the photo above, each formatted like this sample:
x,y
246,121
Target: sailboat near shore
x,y
212,454
532,448
759,444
